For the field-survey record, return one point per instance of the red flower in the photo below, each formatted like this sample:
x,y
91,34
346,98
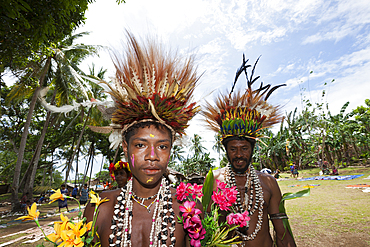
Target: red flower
x,y
220,199
181,192
233,219
220,185
197,190
244,218
238,219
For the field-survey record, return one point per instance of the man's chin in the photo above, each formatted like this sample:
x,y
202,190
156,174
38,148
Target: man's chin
x,y
240,168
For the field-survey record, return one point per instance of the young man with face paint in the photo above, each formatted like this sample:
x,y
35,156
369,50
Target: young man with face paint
x,y
239,120
151,110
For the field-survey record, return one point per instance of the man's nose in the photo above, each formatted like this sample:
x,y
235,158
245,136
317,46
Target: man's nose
x,y
152,154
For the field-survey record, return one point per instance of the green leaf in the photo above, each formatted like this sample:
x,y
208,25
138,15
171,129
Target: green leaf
x,y
207,190
89,240
289,196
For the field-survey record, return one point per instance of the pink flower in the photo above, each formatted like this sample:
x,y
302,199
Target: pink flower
x,y
220,199
232,219
197,190
238,219
220,185
188,209
196,241
244,219
230,194
182,191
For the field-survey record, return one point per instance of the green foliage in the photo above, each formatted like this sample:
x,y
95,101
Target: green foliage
x,y
207,190
27,25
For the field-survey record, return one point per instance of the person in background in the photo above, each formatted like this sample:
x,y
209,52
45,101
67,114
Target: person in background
x,y
74,192
325,170
335,171
295,171
84,195
277,173
63,203
292,168
120,172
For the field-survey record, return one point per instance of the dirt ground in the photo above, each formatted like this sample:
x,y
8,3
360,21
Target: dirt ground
x,y
327,230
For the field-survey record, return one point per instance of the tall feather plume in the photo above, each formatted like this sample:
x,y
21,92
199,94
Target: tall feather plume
x,y
242,113
158,85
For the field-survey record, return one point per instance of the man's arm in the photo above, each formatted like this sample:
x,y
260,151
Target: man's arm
x,y
283,237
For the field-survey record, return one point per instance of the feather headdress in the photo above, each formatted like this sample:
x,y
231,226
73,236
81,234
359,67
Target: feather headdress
x,y
119,165
153,85
240,113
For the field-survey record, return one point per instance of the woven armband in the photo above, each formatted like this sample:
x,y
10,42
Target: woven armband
x,y
278,216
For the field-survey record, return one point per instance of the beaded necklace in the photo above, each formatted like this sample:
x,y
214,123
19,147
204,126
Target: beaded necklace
x,y
137,198
251,203
163,215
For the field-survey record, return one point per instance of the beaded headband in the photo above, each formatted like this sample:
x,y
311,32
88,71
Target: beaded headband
x,y
117,166
243,114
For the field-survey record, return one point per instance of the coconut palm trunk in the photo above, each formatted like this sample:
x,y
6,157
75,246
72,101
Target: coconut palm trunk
x,y
16,206
77,146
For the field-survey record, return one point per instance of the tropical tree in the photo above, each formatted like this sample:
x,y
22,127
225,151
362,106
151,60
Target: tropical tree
x,y
28,25
58,68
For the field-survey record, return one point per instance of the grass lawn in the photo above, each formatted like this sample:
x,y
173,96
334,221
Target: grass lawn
x,y
331,216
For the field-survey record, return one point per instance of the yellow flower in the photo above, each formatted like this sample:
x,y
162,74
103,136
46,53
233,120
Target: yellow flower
x,y
79,229
55,236
70,239
33,214
57,195
96,199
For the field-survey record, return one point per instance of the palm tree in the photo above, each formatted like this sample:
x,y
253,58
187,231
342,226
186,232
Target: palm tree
x,y
218,147
58,66
197,145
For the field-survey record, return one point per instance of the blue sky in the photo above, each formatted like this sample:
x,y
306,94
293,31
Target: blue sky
x,y
294,37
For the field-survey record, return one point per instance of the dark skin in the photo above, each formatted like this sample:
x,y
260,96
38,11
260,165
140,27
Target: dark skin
x,y
121,177
239,153
148,151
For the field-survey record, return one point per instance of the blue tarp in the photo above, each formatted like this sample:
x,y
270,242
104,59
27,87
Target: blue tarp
x,y
348,177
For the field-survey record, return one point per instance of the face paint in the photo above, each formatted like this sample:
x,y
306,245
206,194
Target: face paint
x,y
151,135
149,180
132,160
152,151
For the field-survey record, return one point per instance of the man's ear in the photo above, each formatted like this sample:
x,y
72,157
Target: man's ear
x,y
124,146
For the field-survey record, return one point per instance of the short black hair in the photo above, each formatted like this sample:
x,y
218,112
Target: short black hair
x,y
134,129
239,138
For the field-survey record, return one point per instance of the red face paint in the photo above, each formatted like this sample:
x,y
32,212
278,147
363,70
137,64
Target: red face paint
x,y
152,151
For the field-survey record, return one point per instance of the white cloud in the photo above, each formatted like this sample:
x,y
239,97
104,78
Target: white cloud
x,y
341,19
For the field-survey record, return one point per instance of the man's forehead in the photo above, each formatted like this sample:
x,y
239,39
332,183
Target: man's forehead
x,y
239,143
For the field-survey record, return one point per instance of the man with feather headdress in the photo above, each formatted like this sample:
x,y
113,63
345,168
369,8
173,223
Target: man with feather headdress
x,y
152,94
238,117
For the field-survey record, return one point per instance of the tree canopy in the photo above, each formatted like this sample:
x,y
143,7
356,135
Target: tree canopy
x,y
26,25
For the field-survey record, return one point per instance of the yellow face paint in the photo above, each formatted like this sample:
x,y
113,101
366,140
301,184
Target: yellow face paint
x,y
151,135
149,180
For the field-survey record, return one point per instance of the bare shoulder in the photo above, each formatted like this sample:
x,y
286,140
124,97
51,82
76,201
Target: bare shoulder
x,y
267,179
111,195
219,174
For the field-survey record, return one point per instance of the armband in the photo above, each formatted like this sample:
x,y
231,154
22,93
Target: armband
x,y
278,216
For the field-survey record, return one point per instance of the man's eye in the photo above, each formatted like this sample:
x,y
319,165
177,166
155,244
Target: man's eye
x,y
163,147
139,145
